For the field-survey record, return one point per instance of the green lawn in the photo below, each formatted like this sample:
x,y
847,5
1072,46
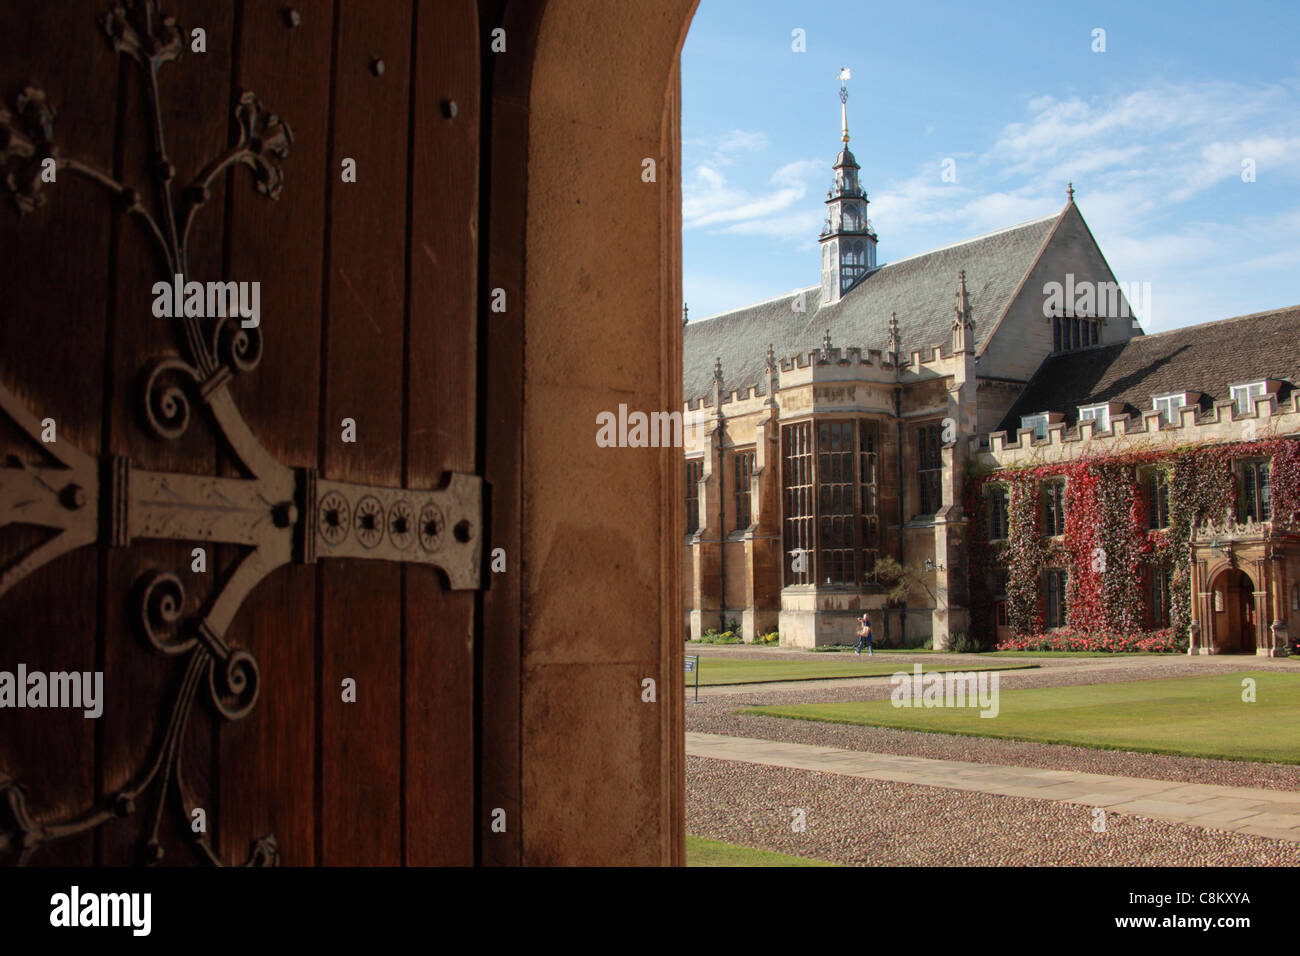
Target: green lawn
x,y
727,670
703,852
1192,716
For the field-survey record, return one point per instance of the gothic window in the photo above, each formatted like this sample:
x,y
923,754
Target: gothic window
x,y
854,263
797,485
929,469
868,439
1071,332
836,511
998,503
1158,596
1255,492
1157,499
1000,597
830,500
694,469
1054,597
744,469
1054,508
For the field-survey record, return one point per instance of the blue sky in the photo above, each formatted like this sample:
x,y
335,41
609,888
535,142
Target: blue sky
x,y
1153,132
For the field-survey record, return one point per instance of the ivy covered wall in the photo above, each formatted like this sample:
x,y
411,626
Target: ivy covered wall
x,y
1107,544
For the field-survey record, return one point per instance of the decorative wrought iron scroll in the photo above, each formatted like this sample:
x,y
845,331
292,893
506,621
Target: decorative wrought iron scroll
x,y
277,513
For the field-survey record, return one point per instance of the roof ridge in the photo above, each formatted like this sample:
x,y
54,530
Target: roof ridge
x,y
1201,325
880,268
753,305
963,242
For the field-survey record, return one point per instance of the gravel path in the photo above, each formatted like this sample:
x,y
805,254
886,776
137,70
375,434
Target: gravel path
x,y
870,822
714,715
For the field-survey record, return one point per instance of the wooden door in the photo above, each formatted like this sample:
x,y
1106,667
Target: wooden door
x,y
362,370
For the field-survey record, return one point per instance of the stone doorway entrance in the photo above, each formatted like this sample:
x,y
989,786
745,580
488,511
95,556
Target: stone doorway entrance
x,y
1235,624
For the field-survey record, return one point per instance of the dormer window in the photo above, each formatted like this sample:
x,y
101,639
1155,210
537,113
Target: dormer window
x,y
1243,396
1037,422
1096,413
1168,405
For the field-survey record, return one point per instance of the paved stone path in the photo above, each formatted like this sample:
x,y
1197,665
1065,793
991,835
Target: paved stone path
x,y
1266,813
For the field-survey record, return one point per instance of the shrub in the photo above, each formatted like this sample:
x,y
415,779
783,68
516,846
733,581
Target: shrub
x,y
963,643
772,637
713,636
1112,642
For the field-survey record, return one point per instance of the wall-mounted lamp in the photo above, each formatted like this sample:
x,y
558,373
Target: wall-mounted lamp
x,y
931,566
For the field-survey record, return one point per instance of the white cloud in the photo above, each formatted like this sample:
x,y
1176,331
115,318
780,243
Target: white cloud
x,y
723,149
1153,168
777,209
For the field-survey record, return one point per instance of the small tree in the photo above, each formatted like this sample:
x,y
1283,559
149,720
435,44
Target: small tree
x,y
898,581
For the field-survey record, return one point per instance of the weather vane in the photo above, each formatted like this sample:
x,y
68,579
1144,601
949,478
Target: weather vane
x,y
844,109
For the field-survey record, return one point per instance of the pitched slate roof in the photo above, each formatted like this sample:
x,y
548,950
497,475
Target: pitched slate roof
x,y
1207,358
920,289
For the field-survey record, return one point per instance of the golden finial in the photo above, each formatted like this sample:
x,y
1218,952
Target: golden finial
x,y
844,107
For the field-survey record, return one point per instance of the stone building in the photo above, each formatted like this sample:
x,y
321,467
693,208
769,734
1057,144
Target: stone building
x,y
834,426
1218,390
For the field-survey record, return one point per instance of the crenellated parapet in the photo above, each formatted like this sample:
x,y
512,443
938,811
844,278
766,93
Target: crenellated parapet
x,y
834,365
1221,424
740,398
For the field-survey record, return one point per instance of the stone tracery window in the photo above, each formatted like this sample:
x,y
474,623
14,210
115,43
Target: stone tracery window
x,y
1054,599
829,481
998,505
744,469
1256,495
694,469
853,263
1158,597
799,510
1054,508
1157,499
929,468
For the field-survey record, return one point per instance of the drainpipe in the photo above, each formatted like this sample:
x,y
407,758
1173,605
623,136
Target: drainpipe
x,y
898,414
722,530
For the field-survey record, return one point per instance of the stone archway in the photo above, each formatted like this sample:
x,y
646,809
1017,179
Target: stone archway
x,y
1234,614
595,94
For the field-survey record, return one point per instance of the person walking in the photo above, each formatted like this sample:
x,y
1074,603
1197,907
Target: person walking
x,y
864,635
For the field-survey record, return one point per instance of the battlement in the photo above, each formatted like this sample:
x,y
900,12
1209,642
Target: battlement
x,y
1220,425
749,393
841,365
842,358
